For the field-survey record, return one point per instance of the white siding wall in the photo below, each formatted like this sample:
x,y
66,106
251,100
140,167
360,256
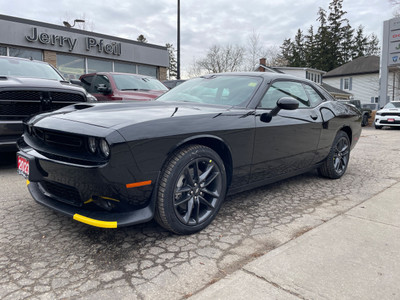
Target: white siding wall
x,y
363,87
297,73
366,86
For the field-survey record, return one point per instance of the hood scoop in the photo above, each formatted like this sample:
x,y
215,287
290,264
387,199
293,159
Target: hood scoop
x,y
82,106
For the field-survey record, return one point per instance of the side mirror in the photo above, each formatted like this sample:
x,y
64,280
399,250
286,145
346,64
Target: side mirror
x,y
102,88
287,103
76,81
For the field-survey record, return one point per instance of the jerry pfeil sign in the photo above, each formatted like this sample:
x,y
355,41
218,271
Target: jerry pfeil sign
x,y
91,43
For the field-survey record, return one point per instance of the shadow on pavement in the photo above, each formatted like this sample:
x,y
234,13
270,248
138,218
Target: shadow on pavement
x,y
8,159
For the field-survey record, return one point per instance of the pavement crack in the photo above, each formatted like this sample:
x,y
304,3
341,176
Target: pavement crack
x,y
274,284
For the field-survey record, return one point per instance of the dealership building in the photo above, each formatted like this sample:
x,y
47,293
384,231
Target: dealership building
x,y
75,52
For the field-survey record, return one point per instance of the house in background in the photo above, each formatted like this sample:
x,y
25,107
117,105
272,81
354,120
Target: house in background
x,y
308,73
337,93
360,77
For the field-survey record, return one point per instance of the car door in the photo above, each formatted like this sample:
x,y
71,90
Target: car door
x,y
287,143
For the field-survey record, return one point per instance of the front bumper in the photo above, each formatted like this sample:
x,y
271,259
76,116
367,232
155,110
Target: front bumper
x,y
102,219
387,120
105,196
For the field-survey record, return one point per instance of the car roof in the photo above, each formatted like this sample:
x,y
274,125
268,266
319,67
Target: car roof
x,y
269,76
116,73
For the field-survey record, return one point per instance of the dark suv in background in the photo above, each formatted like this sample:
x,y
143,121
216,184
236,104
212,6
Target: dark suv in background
x,y
365,111
27,88
108,86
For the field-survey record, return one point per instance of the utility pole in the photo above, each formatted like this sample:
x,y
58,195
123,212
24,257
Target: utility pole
x,y
178,68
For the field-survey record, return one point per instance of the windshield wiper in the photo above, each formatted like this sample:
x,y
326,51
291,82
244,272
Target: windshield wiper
x,y
135,90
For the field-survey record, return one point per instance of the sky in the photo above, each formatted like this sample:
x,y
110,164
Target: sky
x,y
204,23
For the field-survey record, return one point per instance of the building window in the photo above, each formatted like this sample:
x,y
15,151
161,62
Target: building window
x,y
70,66
147,70
98,65
124,67
26,53
346,83
3,50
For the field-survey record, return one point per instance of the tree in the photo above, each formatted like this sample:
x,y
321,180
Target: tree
x,y
337,33
347,43
373,45
322,41
254,51
141,39
287,52
172,68
360,43
298,59
310,49
333,44
222,59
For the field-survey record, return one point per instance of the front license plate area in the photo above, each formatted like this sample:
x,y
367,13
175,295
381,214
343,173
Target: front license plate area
x,y
391,120
23,166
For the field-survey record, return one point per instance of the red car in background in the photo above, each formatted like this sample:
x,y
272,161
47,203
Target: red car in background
x,y
107,86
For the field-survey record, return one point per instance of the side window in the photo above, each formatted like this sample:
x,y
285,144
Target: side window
x,y
314,97
281,89
100,80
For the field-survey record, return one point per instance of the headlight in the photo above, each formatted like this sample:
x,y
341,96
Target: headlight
x,y
378,113
104,148
91,98
92,143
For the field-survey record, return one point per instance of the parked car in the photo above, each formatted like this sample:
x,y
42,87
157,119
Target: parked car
x,y
175,159
28,87
170,84
108,86
365,111
389,115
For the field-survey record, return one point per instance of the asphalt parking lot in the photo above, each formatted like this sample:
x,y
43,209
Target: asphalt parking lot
x,y
44,255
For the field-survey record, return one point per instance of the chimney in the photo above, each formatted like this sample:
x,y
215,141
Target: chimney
x,y
263,62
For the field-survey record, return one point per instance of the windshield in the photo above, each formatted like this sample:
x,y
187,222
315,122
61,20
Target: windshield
x,y
220,90
27,68
392,105
127,82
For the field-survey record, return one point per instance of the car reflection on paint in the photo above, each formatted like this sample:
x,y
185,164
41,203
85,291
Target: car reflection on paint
x,y
175,159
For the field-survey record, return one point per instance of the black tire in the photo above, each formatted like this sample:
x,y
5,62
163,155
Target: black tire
x,y
364,121
335,164
191,190
378,127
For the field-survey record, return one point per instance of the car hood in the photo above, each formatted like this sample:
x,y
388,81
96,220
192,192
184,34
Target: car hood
x,y
12,82
120,114
388,110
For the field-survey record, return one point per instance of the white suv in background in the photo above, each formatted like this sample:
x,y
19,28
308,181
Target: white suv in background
x,y
389,115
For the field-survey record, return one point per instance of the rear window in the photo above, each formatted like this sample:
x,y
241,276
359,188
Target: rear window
x,y
126,82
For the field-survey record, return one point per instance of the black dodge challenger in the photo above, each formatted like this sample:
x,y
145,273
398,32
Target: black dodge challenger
x,y
175,159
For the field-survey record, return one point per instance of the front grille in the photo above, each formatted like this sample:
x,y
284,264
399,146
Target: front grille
x,y
20,95
62,140
19,109
58,96
62,192
17,105
390,114
387,122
